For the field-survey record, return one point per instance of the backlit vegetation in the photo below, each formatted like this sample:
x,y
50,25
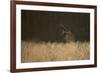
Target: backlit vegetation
x,y
47,51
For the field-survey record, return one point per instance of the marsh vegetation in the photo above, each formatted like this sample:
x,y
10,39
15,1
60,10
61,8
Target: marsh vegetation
x,y
42,52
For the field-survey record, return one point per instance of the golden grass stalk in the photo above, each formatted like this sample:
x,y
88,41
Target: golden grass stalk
x,y
47,51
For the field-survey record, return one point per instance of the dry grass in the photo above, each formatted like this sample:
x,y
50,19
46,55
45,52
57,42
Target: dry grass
x,y
39,52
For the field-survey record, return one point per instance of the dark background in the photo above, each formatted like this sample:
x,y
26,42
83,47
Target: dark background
x,y
45,25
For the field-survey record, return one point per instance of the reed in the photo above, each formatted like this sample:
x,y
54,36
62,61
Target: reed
x,y
47,51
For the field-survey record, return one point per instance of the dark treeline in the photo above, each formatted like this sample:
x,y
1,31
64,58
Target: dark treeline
x,y
47,25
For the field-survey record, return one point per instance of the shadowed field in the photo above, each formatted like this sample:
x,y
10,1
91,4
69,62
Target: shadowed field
x,y
47,51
